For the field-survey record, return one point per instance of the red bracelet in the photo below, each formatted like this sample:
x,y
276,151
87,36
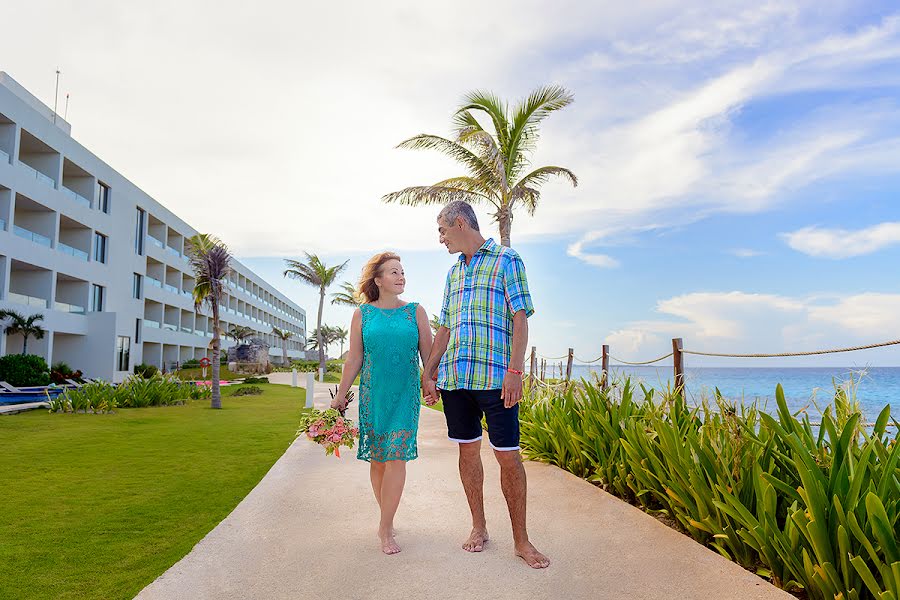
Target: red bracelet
x,y
434,378
516,372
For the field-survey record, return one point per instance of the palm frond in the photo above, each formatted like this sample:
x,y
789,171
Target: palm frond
x,y
534,109
494,108
473,163
347,296
432,194
541,175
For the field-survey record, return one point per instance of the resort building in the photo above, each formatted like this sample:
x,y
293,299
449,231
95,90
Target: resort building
x,y
105,263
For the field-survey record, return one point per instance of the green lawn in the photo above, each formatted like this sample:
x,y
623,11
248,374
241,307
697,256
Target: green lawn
x,y
97,506
197,374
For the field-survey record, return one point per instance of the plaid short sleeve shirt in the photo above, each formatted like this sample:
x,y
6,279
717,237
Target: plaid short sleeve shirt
x,y
480,300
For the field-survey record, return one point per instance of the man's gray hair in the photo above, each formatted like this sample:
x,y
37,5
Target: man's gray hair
x,y
459,208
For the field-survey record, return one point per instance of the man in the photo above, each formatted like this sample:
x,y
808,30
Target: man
x,y
479,356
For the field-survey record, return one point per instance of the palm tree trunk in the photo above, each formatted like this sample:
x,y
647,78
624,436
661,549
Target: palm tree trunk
x,y
24,344
504,220
216,401
284,351
319,339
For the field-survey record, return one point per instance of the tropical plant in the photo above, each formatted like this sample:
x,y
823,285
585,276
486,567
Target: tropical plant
x,y
145,370
340,335
211,263
435,323
813,507
329,335
247,390
284,335
317,274
347,296
239,333
24,370
496,161
27,327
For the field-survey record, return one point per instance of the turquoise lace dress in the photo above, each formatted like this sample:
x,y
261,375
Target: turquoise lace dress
x,y
389,385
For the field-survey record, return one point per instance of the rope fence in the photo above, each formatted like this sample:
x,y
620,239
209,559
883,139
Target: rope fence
x,y
677,356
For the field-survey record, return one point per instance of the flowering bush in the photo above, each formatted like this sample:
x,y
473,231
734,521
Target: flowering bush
x,y
329,429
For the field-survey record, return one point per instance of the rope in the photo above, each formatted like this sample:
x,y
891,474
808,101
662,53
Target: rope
x,y
587,362
554,357
781,354
646,362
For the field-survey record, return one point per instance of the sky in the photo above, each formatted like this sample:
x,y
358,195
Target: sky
x,y
738,162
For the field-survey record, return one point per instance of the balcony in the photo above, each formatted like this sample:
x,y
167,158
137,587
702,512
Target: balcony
x,y
170,327
2,224
30,235
4,157
187,329
38,175
153,281
155,241
66,249
171,288
171,250
151,324
27,300
69,308
78,198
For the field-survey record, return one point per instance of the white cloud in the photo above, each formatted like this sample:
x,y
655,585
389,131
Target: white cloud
x,y
843,243
740,322
746,252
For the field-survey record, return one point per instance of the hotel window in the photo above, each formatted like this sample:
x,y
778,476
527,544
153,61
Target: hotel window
x,y
103,197
139,232
123,351
137,331
137,287
100,247
97,298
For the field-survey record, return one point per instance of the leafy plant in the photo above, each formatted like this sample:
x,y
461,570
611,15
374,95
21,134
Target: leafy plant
x,y
145,370
24,370
249,390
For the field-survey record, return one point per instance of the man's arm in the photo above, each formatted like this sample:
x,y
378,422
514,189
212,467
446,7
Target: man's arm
x,y
512,382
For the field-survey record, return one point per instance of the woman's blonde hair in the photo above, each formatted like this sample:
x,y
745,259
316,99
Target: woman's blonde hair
x,y
368,291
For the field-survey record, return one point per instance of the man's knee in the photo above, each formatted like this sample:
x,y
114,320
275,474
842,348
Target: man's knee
x,y
508,458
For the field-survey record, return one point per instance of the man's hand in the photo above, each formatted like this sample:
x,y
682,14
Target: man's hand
x,y
512,389
429,390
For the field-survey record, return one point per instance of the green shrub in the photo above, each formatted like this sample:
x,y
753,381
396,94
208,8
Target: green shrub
x,y
250,390
312,366
61,367
813,507
145,370
256,380
96,397
24,370
190,364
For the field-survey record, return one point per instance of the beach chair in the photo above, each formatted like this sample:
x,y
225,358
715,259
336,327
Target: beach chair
x,y
73,383
8,388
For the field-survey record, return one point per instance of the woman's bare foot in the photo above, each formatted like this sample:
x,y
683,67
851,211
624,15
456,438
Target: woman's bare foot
x,y
477,539
530,555
388,544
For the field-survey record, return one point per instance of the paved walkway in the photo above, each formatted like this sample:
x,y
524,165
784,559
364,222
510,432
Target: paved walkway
x,y
308,531
12,409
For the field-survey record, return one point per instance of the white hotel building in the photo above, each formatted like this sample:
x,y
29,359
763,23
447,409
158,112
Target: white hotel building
x,y
103,261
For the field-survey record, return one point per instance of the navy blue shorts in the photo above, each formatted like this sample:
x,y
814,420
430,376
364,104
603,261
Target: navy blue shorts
x,y
463,410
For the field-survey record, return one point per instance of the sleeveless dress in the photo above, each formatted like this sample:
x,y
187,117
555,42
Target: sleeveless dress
x,y
389,384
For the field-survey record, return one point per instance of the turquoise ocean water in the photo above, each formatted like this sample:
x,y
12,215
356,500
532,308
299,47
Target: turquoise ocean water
x,y
877,386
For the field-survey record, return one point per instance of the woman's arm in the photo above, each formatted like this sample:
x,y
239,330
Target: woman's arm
x,y
353,364
425,339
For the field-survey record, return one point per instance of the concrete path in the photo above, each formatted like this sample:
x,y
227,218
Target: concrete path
x,y
12,409
308,531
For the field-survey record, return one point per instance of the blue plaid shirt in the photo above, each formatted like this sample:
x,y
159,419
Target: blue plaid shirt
x,y
480,300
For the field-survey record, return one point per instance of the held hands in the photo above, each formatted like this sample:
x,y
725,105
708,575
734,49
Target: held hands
x,y
512,388
429,391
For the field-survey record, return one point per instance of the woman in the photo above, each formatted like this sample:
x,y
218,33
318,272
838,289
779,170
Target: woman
x,y
385,335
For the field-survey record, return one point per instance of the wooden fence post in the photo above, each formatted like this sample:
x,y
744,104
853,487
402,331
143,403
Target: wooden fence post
x,y
604,366
678,360
569,364
543,368
533,362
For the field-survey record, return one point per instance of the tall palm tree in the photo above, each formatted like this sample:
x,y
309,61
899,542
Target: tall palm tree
x,y
347,296
340,335
317,274
26,326
211,263
496,161
284,335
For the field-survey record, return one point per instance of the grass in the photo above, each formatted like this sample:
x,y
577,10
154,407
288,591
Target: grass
x,y
98,506
197,374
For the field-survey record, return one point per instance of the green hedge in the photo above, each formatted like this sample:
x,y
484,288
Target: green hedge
x,y
24,370
813,508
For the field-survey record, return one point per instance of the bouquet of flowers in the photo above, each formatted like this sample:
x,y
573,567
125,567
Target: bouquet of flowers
x,y
329,428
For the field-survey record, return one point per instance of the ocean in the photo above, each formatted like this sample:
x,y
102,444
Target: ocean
x,y
877,386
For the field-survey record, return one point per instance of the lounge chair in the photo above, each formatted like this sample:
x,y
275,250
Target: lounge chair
x,y
73,383
8,388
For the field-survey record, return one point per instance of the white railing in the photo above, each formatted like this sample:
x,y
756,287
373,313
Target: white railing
x,y
66,249
69,308
155,241
151,323
76,196
153,281
38,175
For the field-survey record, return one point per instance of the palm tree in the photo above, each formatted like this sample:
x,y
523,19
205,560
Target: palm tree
x,y
317,274
284,335
340,335
496,162
21,324
435,323
239,333
211,263
347,296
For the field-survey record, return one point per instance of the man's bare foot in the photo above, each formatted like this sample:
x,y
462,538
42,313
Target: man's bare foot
x,y
477,539
530,555
388,544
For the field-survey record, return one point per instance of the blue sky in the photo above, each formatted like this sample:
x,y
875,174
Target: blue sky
x,y
738,162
